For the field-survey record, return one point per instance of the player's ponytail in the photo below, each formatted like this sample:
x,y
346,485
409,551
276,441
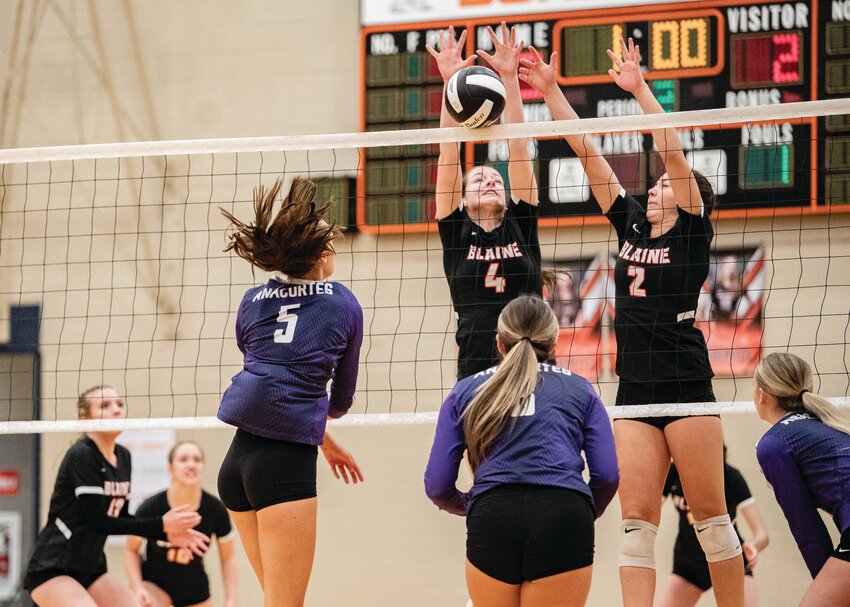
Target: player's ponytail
x,y
788,378
292,241
527,331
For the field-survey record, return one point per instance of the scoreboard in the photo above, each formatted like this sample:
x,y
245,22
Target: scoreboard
x,y
697,55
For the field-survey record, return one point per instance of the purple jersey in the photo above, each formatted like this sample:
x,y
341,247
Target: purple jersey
x,y
296,336
541,446
808,465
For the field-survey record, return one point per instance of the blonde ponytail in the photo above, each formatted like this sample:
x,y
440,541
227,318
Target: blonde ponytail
x,y
528,331
788,378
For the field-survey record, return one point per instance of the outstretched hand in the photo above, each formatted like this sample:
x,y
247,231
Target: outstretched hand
x,y
506,51
752,554
539,74
450,57
192,540
341,461
627,75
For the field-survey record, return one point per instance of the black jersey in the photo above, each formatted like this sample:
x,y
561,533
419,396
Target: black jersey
x,y
173,569
658,281
737,496
485,271
89,493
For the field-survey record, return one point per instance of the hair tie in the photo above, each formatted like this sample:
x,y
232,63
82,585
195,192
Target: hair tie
x,y
803,391
526,337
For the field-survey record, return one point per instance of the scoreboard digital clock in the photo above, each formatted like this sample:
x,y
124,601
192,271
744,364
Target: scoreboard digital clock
x,y
697,55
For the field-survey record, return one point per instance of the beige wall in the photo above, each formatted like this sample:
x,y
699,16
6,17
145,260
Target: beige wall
x,y
205,69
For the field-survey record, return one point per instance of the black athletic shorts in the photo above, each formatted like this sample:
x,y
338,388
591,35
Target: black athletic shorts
x,y
693,568
181,600
36,578
842,551
661,392
259,472
517,533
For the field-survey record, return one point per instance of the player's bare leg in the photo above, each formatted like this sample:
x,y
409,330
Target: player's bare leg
x,y
62,591
644,463
831,586
678,592
568,589
287,534
486,590
246,524
696,444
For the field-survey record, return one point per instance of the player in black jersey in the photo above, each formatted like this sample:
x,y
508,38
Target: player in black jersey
x,y
89,502
167,575
690,578
662,263
491,252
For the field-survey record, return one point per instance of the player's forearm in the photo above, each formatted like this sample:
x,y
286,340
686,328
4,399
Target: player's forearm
x,y
100,523
513,114
760,540
666,140
229,578
448,151
581,145
133,568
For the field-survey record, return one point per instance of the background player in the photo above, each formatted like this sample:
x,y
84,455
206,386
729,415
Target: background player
x,y
524,425
297,333
690,577
168,575
475,219
89,503
805,456
661,356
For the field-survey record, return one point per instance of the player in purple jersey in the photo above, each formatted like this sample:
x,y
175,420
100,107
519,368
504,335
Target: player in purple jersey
x,y
491,251
805,456
524,425
89,503
662,356
297,332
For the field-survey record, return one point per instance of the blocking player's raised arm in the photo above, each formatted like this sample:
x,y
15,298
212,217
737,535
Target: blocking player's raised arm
x,y
505,60
543,77
629,77
449,176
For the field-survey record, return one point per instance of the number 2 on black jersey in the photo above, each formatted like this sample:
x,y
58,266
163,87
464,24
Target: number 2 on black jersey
x,y
638,274
492,280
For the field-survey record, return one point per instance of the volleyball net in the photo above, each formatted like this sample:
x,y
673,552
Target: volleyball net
x,y
112,266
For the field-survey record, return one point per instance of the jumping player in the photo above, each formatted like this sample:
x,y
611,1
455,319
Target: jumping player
x,y
89,503
298,331
662,357
690,578
805,456
525,424
491,251
168,575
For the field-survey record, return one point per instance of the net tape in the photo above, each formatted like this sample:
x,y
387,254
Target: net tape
x,y
364,419
555,128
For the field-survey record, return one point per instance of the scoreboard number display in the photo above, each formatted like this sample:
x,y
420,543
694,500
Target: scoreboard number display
x,y
696,55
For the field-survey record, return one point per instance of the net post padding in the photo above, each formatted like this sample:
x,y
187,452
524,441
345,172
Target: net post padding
x,y
556,128
362,419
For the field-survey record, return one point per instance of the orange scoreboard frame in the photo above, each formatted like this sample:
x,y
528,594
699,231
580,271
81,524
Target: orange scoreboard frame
x,y
698,55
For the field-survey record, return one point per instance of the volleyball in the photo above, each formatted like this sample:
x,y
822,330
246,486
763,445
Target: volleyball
x,y
475,96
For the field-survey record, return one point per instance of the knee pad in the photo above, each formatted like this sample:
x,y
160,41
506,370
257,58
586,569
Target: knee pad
x,y
718,538
637,545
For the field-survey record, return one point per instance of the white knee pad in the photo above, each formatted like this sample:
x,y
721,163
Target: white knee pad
x,y
718,539
637,545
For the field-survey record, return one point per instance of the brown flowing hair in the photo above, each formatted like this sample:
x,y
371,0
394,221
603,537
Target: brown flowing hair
x,y
788,378
291,241
528,331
